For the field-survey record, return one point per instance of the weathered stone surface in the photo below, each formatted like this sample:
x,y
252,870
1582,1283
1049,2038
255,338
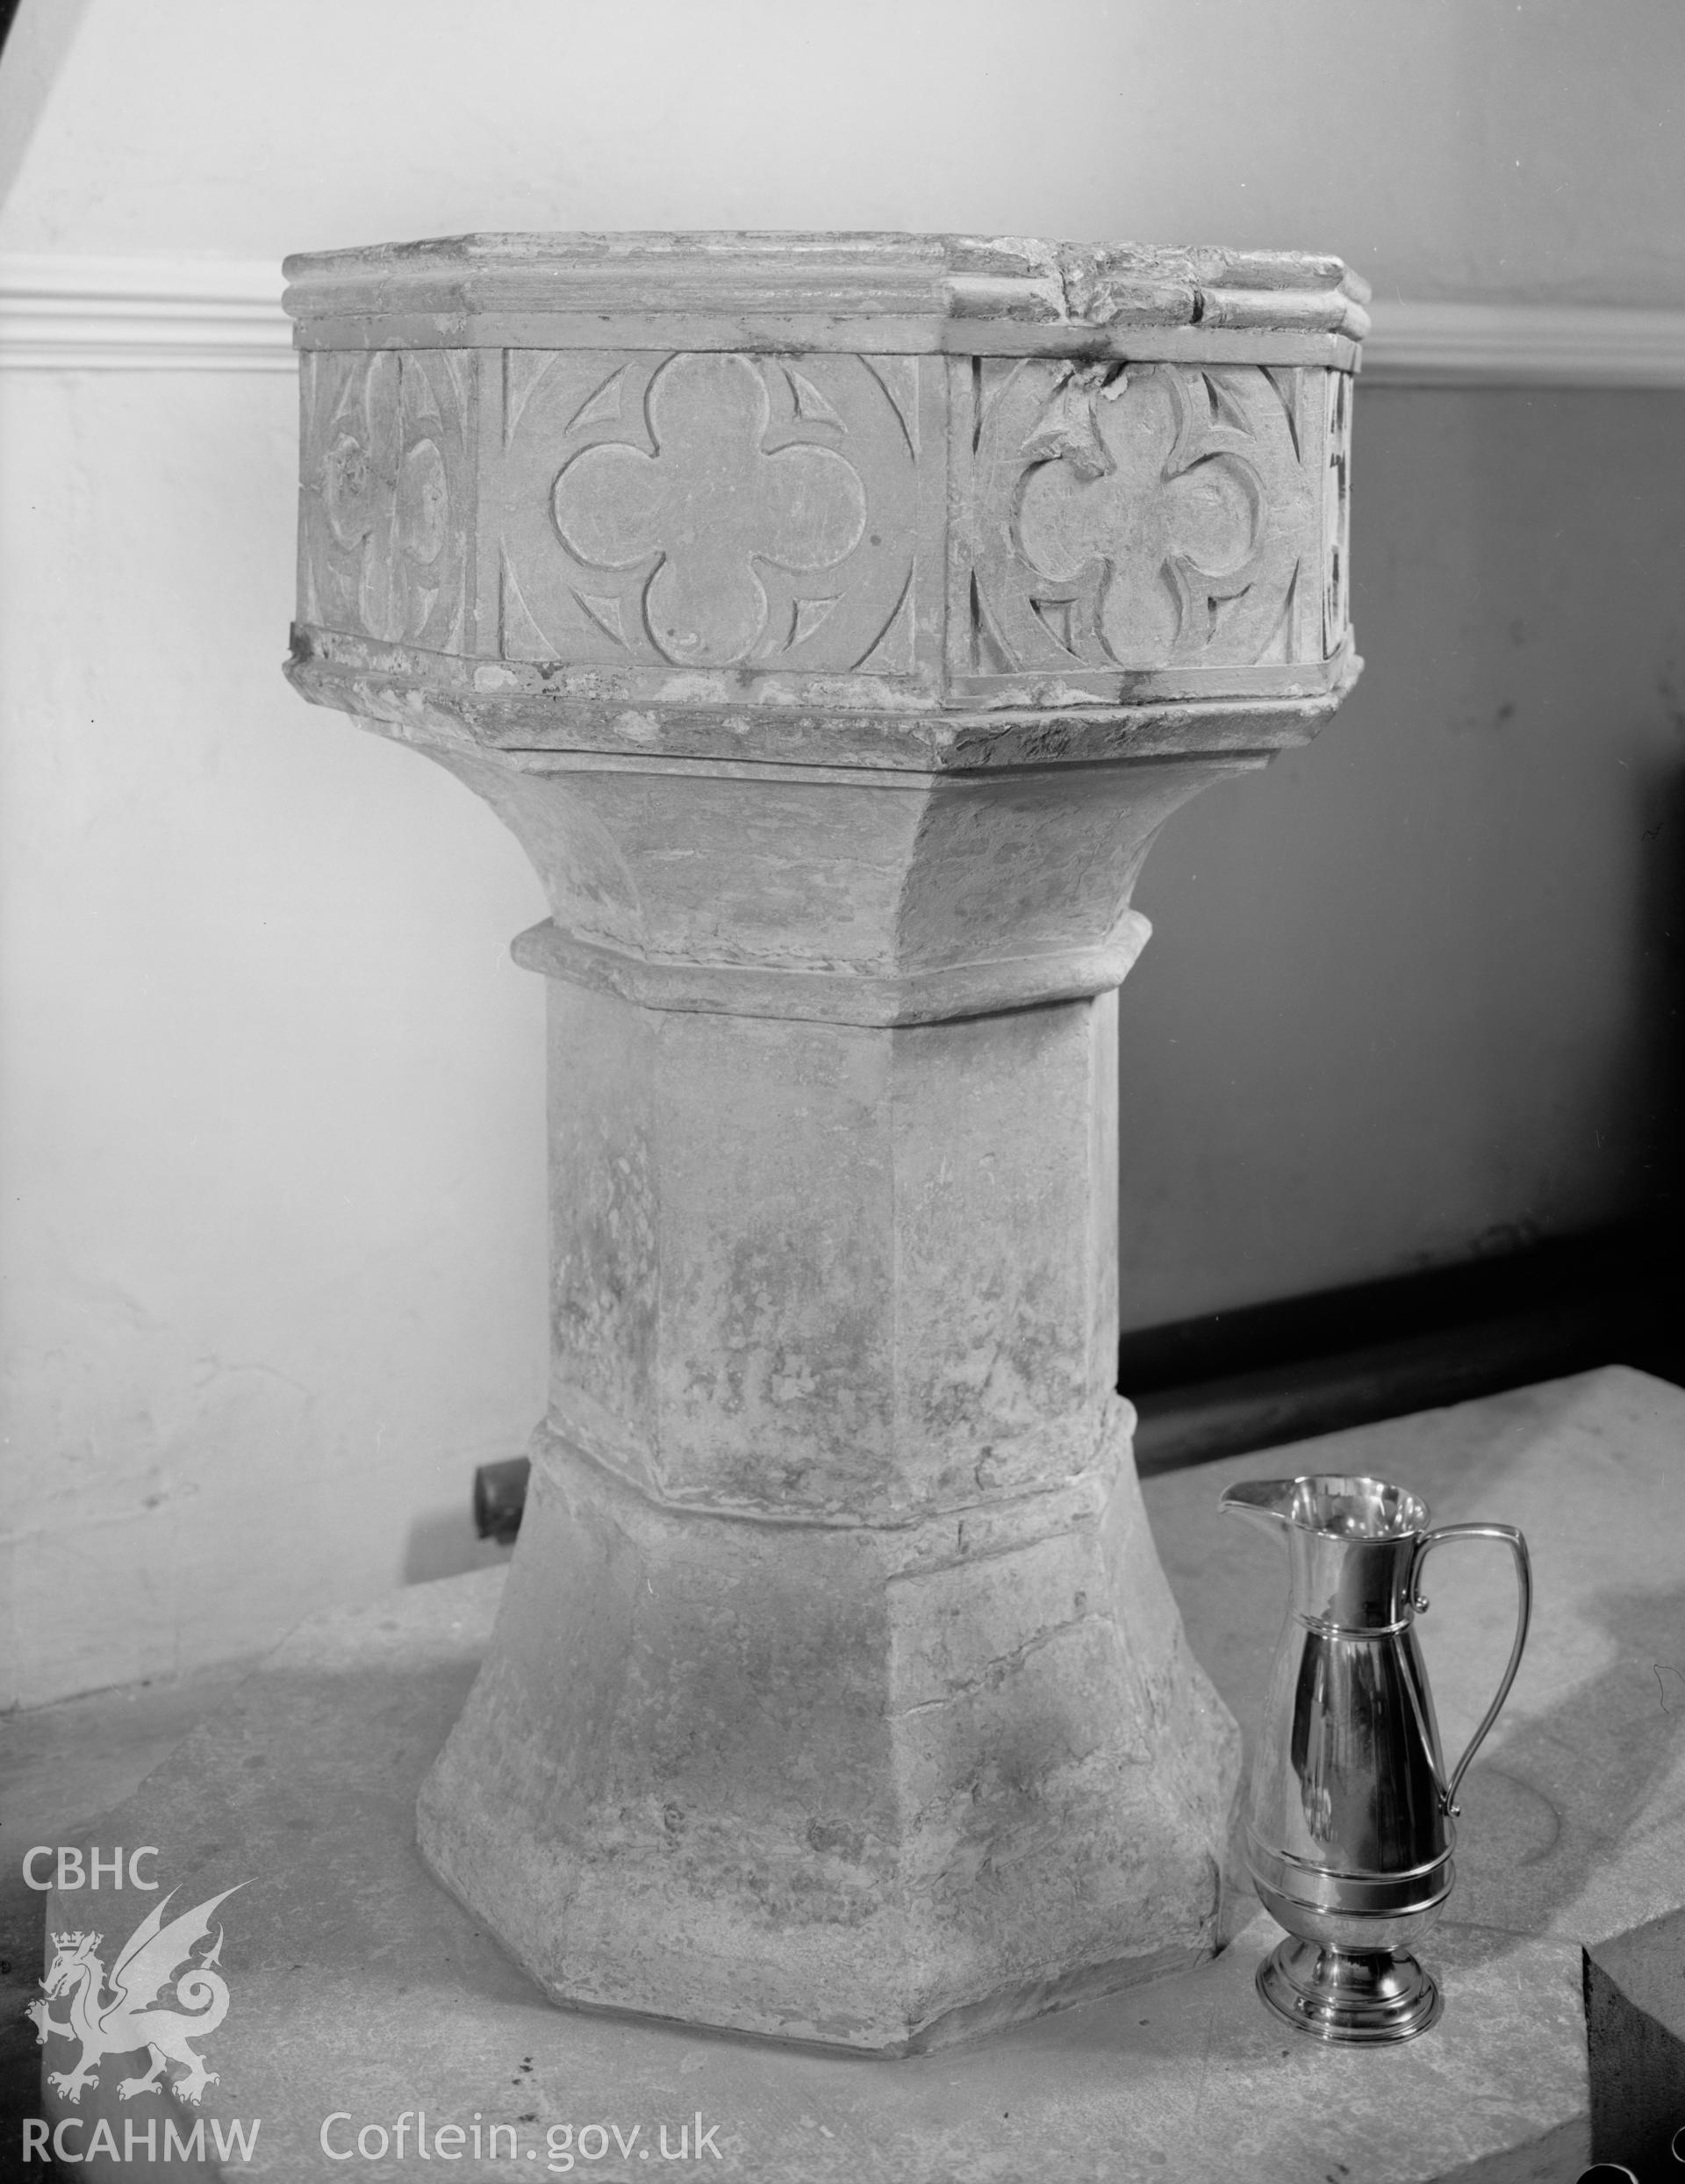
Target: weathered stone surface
x,y
359,1989
867,1661
591,492
953,1795
835,621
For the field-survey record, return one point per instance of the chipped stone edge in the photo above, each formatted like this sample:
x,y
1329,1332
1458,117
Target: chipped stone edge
x,y
1028,282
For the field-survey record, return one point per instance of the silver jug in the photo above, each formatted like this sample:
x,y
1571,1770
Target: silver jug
x,y
1352,1822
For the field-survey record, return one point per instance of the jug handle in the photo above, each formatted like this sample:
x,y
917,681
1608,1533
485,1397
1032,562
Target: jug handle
x,y
1517,1546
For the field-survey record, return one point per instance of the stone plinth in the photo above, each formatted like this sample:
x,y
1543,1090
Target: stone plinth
x,y
835,621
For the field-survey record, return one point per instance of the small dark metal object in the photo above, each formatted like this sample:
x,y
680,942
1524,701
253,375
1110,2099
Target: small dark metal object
x,y
499,1496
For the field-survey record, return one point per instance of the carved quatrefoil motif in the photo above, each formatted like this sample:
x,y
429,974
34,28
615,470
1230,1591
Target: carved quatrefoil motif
x,y
692,529
1132,509
1145,516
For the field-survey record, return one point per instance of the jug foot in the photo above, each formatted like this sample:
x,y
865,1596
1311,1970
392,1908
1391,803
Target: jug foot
x,y
1340,1994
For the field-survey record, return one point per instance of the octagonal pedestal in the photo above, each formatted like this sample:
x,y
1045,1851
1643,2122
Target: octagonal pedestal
x,y
838,1693
835,621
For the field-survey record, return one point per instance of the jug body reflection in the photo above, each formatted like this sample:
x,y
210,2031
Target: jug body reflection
x,y
1352,1817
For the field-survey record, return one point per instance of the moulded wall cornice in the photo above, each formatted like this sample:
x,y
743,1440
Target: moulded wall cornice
x,y
1522,345
177,314
74,313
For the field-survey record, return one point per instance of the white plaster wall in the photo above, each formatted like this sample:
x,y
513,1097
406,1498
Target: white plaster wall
x,y
270,1092
1447,147
270,1104
1416,993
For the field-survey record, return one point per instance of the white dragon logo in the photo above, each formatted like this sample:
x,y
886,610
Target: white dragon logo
x,y
154,1955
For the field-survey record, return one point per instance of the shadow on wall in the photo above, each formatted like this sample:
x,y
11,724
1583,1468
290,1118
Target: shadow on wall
x,y
1662,961
1415,993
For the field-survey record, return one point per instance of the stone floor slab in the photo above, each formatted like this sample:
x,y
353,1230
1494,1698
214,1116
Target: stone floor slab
x,y
1574,1816
358,1989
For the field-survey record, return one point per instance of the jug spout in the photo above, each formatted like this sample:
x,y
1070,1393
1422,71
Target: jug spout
x,y
1266,1503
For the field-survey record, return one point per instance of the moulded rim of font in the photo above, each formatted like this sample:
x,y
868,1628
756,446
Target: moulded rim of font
x,y
958,293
